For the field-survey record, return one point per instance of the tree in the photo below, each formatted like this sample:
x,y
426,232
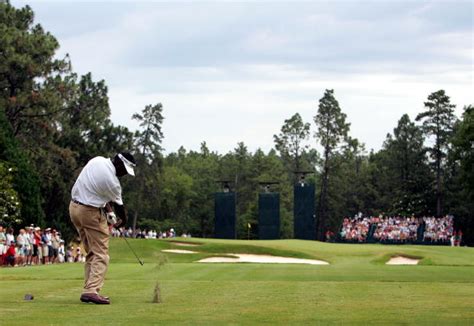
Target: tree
x,y
52,122
202,167
27,61
10,212
83,127
31,99
289,143
409,179
148,156
25,180
177,194
463,142
149,139
204,172
460,175
437,122
332,129
349,180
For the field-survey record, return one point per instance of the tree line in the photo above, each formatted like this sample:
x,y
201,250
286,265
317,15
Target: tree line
x,y
52,121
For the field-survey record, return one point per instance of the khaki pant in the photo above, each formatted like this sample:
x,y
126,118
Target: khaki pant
x,y
94,232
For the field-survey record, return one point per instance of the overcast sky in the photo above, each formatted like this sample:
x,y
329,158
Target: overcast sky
x,y
227,72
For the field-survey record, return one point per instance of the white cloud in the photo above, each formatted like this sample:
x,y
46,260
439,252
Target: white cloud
x,y
251,107
230,72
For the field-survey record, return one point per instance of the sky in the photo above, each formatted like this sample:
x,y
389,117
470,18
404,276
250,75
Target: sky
x,y
228,72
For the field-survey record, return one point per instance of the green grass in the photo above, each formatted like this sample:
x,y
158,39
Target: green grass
x,y
356,288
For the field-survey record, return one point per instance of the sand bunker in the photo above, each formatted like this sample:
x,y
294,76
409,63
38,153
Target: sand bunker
x,y
400,260
263,259
185,244
247,258
179,251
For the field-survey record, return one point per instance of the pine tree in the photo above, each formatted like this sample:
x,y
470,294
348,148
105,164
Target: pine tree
x,y
290,142
437,122
407,170
332,129
148,156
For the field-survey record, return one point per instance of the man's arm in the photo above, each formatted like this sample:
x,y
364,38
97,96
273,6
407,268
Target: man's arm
x,y
108,207
121,212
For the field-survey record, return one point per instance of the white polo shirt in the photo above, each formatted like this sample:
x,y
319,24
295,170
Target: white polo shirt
x,y
97,184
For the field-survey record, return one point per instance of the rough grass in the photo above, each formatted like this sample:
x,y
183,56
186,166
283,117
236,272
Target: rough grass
x,y
357,288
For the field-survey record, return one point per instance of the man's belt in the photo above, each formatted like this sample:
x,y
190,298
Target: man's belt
x,y
78,202
82,204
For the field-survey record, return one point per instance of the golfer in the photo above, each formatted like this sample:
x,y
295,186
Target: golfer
x,y
96,186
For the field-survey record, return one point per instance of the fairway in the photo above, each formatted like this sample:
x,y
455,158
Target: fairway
x,y
356,288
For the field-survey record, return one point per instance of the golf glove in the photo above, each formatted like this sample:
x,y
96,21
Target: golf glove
x,y
111,218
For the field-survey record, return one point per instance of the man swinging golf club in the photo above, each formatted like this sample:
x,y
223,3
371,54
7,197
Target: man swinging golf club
x,y
96,186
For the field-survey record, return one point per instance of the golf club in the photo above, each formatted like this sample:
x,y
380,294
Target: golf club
x,y
141,263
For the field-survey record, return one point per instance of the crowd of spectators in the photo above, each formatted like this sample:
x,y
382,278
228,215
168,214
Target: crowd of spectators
x,y
438,229
355,229
145,234
400,229
35,246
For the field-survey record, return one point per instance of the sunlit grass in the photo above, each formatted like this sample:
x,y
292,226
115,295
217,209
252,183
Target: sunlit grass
x,y
356,288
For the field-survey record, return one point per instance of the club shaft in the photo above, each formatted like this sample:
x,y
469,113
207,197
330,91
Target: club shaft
x,y
139,260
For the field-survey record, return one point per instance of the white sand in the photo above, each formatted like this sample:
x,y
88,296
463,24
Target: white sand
x,y
400,260
185,244
179,251
264,259
247,258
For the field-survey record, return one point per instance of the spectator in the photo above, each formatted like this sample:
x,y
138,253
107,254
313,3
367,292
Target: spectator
x,y
329,235
21,242
9,236
70,254
55,246
61,252
78,258
36,246
10,254
49,243
45,247
452,239
3,247
30,239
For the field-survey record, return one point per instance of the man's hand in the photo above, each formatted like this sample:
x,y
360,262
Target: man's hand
x,y
111,218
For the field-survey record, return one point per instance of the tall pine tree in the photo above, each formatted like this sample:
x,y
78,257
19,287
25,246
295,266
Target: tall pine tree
x,y
332,129
437,123
148,156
